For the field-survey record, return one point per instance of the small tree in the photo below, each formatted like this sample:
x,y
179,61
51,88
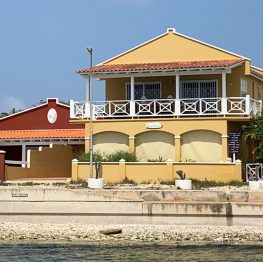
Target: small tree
x,y
254,131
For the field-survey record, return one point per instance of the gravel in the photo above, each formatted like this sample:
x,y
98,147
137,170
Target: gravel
x,y
130,233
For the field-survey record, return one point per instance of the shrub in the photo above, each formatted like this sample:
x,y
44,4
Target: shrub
x,y
80,182
159,159
82,157
198,184
117,156
128,181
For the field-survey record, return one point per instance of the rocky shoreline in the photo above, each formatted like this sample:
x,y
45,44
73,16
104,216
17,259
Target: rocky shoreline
x,y
14,231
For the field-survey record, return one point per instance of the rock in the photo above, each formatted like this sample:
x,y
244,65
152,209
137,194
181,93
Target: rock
x,y
111,231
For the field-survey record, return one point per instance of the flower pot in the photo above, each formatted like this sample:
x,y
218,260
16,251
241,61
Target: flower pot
x,y
95,183
183,184
255,185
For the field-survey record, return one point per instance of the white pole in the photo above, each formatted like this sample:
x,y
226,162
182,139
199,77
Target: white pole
x,y
234,157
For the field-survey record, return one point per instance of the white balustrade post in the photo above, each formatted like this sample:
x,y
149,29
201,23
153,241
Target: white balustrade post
x,y
23,155
224,99
132,102
87,109
177,95
247,103
71,112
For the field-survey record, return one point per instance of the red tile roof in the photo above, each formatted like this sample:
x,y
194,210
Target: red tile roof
x,y
43,134
106,68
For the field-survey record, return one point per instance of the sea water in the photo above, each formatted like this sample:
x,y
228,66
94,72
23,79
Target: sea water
x,y
74,251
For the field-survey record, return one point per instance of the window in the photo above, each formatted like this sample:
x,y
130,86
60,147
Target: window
x,y
147,90
198,89
243,87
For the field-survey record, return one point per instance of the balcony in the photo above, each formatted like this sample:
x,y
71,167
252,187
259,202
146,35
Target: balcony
x,y
186,107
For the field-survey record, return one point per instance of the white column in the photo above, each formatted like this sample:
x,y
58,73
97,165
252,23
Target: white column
x,y
177,94
132,103
224,99
23,154
247,102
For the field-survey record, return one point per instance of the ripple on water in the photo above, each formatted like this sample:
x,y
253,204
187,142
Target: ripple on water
x,y
81,251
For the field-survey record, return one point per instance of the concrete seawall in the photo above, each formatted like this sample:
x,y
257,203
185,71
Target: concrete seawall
x,y
61,205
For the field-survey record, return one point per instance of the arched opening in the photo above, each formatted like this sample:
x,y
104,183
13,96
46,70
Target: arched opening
x,y
201,146
154,145
110,142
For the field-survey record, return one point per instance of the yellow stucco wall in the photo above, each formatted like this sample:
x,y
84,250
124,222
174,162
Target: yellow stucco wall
x,y
171,47
157,172
173,141
201,146
174,126
48,163
154,145
109,142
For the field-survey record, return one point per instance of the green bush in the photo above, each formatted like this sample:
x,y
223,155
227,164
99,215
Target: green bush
x,y
80,182
117,156
159,159
82,157
128,181
198,184
114,157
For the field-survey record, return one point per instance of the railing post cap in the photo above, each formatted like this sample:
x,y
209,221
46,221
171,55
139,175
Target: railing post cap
x,y
2,152
169,160
75,160
122,160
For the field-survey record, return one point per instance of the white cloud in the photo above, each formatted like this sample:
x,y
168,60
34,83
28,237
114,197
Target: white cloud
x,y
7,103
138,3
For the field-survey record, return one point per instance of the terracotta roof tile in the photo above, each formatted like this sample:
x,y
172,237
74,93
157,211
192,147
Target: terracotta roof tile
x,y
105,68
42,134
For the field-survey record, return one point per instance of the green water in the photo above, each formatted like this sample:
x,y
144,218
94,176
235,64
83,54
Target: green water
x,y
73,251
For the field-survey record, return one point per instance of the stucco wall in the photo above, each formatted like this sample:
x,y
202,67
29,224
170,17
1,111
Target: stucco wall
x,y
156,172
167,141
171,47
48,163
109,142
153,145
201,146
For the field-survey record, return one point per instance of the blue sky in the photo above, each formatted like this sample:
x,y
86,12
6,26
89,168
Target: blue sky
x,y
43,42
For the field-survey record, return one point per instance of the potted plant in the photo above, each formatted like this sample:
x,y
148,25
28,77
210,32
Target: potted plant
x,y
183,183
97,182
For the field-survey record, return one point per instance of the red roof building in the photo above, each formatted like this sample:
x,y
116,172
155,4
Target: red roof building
x,y
40,125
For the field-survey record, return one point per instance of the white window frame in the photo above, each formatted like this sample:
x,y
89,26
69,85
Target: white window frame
x,y
243,87
199,89
143,87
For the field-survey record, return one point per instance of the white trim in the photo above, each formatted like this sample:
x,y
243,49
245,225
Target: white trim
x,y
253,75
176,33
35,107
42,142
260,69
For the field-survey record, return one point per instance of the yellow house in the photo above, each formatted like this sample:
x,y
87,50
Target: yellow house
x,y
176,98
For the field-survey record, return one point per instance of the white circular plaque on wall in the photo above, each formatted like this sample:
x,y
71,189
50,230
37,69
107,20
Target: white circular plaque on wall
x,y
52,115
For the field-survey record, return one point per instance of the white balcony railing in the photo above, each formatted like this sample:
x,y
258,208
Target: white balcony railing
x,y
167,107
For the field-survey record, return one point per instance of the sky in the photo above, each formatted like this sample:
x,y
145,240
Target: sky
x,y
43,42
